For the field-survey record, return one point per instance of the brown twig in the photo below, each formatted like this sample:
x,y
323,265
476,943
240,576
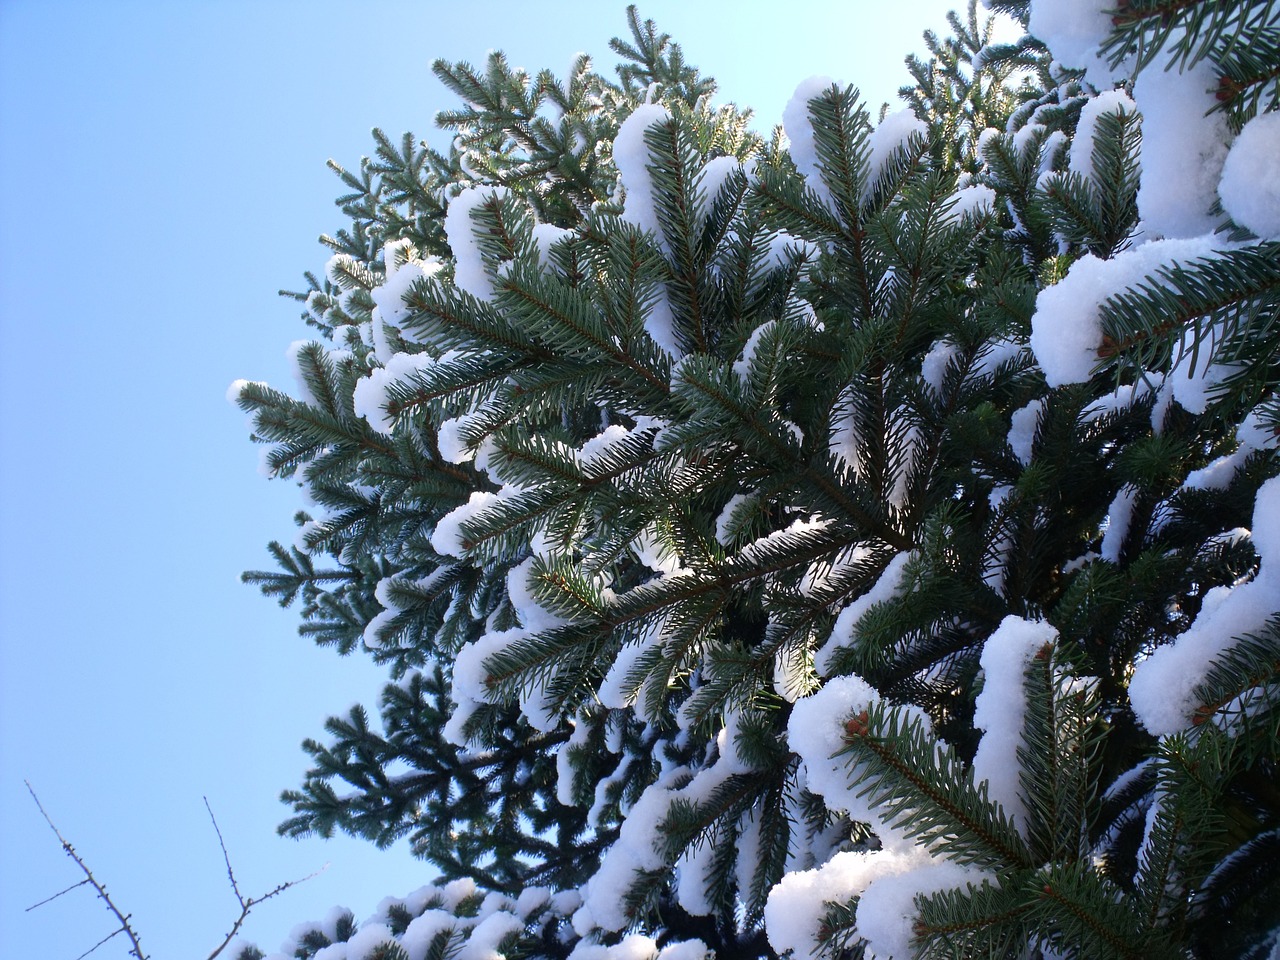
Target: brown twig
x,y
136,949
114,933
251,902
55,896
246,904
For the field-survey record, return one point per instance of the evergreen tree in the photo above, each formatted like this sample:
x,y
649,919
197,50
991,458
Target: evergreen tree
x,y
864,543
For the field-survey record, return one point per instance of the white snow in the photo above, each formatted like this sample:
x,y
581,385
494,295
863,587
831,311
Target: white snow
x,y
659,322
934,366
295,368
1023,425
995,354
782,247
634,850
751,851
389,296
619,687
382,593
714,174
606,785
685,950
1109,101
640,837
742,366
887,911
1217,474
1250,187
565,775
1163,685
485,936
338,269
793,674
370,396
237,387
1054,145
799,129
1072,31
533,616
845,445
996,568
1001,707
470,686
726,522
1195,379
799,901
453,447
816,731
545,236
693,876
1119,519
1251,435
446,539
1066,331
1123,397
368,938
1183,149
975,200
598,446
460,229
757,550
903,463
632,157
653,550
894,133
844,633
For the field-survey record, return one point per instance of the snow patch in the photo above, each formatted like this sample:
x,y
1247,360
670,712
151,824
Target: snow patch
x,y
844,633
470,273
799,129
1066,329
1001,707
1250,187
1110,101
894,133
1183,149
632,157
1162,690
887,911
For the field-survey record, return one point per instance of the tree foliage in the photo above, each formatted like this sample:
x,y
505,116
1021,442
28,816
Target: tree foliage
x,y
864,542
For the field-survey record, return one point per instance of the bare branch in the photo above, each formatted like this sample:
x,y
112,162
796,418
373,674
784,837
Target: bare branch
x,y
114,933
226,858
136,949
246,905
55,896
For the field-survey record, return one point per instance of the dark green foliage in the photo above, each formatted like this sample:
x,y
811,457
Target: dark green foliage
x,y
608,499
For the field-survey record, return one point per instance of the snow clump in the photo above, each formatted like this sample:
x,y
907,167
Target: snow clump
x,y
1066,329
1250,187
1183,149
799,129
1163,688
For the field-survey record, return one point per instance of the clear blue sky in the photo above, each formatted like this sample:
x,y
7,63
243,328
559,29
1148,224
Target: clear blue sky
x,y
162,176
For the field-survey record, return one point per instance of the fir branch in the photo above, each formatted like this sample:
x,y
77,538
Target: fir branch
x,y
919,781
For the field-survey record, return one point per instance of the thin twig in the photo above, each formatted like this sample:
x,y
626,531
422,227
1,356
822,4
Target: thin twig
x,y
113,933
55,896
246,905
226,858
102,891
